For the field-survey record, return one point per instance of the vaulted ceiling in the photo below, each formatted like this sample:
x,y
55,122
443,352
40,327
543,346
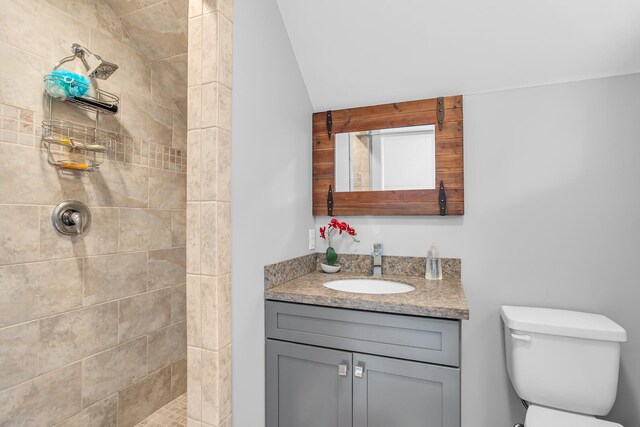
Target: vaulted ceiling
x,y
363,52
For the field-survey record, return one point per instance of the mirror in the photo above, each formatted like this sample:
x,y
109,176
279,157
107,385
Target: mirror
x,y
402,158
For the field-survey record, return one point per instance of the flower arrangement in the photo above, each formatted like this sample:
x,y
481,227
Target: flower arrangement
x,y
341,227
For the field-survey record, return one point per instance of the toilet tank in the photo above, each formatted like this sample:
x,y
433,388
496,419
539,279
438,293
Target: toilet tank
x,y
563,359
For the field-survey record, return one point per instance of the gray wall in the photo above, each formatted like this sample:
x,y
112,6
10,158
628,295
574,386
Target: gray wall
x,y
552,219
271,184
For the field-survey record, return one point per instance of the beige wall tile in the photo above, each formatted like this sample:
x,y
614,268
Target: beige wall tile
x,y
122,7
114,276
72,336
178,303
210,105
179,377
194,164
18,354
216,385
210,307
209,6
224,107
167,267
224,238
193,238
141,399
146,119
210,48
31,291
26,178
101,414
18,22
19,236
18,71
179,135
194,107
209,163
100,238
169,80
167,345
128,184
208,238
144,313
224,310
224,166
112,370
95,14
194,383
167,190
157,31
226,7
179,227
30,404
194,311
194,72
225,49
142,229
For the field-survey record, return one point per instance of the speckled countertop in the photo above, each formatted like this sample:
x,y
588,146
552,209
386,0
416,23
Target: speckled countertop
x,y
444,299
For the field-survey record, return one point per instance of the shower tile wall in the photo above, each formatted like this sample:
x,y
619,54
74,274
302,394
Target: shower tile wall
x,y
93,328
209,214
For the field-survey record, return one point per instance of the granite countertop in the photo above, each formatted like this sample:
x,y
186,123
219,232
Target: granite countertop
x,y
443,298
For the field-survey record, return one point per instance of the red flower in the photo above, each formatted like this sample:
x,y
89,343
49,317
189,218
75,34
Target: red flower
x,y
322,230
351,231
334,223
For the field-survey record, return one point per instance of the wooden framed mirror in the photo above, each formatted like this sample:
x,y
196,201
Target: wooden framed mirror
x,y
403,158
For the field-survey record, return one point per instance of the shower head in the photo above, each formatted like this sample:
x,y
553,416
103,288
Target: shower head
x,y
97,67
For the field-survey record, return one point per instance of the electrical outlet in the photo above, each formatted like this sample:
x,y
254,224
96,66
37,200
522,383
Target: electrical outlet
x,y
312,239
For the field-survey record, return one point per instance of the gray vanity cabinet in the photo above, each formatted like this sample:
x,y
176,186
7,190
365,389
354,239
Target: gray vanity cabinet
x,y
401,393
305,387
331,367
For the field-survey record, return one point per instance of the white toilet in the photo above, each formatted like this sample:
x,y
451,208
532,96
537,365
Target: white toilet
x,y
565,364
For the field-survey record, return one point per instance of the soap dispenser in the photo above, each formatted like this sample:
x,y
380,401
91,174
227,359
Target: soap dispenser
x,y
434,264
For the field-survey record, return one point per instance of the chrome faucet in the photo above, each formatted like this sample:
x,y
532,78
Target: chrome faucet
x,y
376,255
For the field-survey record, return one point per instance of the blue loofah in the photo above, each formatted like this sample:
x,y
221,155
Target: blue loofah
x,y
63,83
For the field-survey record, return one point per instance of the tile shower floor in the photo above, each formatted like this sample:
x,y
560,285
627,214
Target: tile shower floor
x,y
173,414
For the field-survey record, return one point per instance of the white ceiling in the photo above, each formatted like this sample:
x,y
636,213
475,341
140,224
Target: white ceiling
x,y
364,52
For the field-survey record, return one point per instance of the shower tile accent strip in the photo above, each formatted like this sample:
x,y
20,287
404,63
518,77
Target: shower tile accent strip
x,y
209,213
24,127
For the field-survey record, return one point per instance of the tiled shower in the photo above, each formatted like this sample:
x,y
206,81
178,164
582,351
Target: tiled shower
x,y
93,327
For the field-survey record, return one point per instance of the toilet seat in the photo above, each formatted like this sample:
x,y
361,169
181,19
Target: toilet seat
x,y
538,416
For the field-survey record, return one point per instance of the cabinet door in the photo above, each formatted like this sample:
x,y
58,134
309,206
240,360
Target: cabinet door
x,y
392,392
308,386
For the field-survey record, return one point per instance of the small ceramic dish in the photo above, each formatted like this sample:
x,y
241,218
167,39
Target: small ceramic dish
x,y
330,268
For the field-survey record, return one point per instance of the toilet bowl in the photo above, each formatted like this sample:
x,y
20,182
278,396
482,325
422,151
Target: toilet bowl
x,y
565,364
537,416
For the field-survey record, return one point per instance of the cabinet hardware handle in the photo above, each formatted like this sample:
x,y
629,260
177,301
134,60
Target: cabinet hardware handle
x,y
525,338
358,372
342,370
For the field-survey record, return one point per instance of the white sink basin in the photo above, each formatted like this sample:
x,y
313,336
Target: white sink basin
x,y
369,286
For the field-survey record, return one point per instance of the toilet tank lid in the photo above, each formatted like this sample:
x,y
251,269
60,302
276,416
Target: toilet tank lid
x,y
563,323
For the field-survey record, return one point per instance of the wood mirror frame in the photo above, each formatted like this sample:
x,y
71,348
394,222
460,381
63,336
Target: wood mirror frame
x,y
449,158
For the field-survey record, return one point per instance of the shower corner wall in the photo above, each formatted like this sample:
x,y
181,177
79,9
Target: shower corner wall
x,y
209,213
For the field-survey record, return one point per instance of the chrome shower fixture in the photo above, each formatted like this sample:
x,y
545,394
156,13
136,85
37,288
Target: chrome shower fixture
x,y
97,67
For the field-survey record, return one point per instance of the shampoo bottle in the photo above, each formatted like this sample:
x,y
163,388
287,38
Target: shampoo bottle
x,y
434,264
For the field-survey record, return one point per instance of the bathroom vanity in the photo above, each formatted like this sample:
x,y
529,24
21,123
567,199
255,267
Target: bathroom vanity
x,y
344,359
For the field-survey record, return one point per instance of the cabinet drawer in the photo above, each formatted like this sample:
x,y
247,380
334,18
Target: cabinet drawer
x,y
422,339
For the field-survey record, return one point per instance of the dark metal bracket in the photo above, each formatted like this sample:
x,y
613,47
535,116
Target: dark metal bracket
x,y
330,201
329,123
440,113
442,199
